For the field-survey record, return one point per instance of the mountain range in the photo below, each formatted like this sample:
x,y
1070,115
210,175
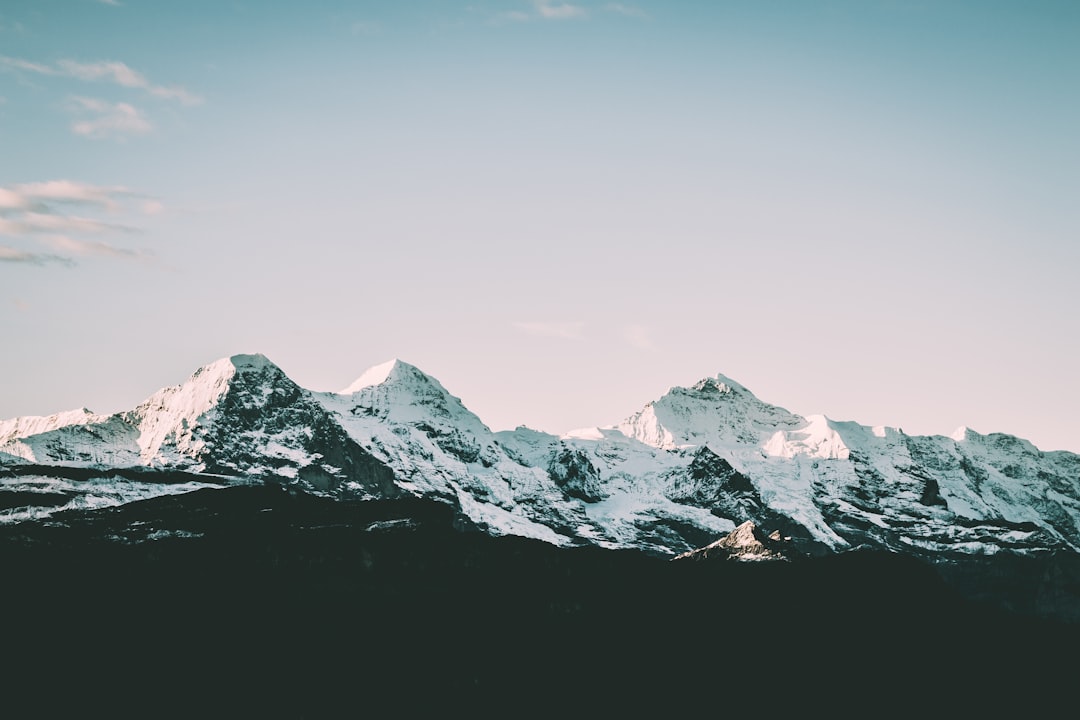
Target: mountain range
x,y
677,474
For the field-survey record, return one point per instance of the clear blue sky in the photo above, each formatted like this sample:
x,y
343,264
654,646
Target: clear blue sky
x,y
865,209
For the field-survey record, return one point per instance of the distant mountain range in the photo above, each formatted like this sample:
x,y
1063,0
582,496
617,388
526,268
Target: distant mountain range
x,y
676,475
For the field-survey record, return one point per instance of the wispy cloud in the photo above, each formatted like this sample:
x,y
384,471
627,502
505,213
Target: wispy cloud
x,y
112,71
542,10
627,10
110,119
113,3
33,210
638,336
18,64
29,195
558,11
34,223
74,246
9,254
121,74
564,330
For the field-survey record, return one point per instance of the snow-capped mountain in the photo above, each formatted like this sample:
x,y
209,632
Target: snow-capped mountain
x,y
681,472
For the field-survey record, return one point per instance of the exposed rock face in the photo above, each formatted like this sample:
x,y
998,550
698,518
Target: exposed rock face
x,y
745,543
573,472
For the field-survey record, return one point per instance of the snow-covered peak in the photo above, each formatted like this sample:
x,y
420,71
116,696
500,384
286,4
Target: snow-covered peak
x,y
719,384
174,410
393,372
715,411
36,424
227,367
401,392
376,375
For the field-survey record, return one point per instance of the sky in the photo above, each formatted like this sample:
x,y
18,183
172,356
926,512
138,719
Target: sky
x,y
864,209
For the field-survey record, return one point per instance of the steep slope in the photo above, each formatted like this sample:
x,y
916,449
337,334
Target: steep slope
x,y
625,487
437,447
723,416
239,416
834,485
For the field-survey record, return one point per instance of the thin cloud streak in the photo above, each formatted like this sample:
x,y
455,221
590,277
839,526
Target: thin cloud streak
x,y
64,243
9,254
542,10
109,70
558,11
19,64
31,195
28,210
35,222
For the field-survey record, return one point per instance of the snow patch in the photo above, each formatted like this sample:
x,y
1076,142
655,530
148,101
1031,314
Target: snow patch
x,y
591,433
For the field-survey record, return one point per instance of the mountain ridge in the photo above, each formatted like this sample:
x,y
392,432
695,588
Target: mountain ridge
x,y
679,473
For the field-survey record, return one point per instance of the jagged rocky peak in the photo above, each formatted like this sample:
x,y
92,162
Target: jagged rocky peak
x,y
177,419
717,385
745,543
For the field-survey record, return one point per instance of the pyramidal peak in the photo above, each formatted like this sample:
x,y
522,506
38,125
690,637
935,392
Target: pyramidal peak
x,y
375,375
225,368
393,371
716,411
397,384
